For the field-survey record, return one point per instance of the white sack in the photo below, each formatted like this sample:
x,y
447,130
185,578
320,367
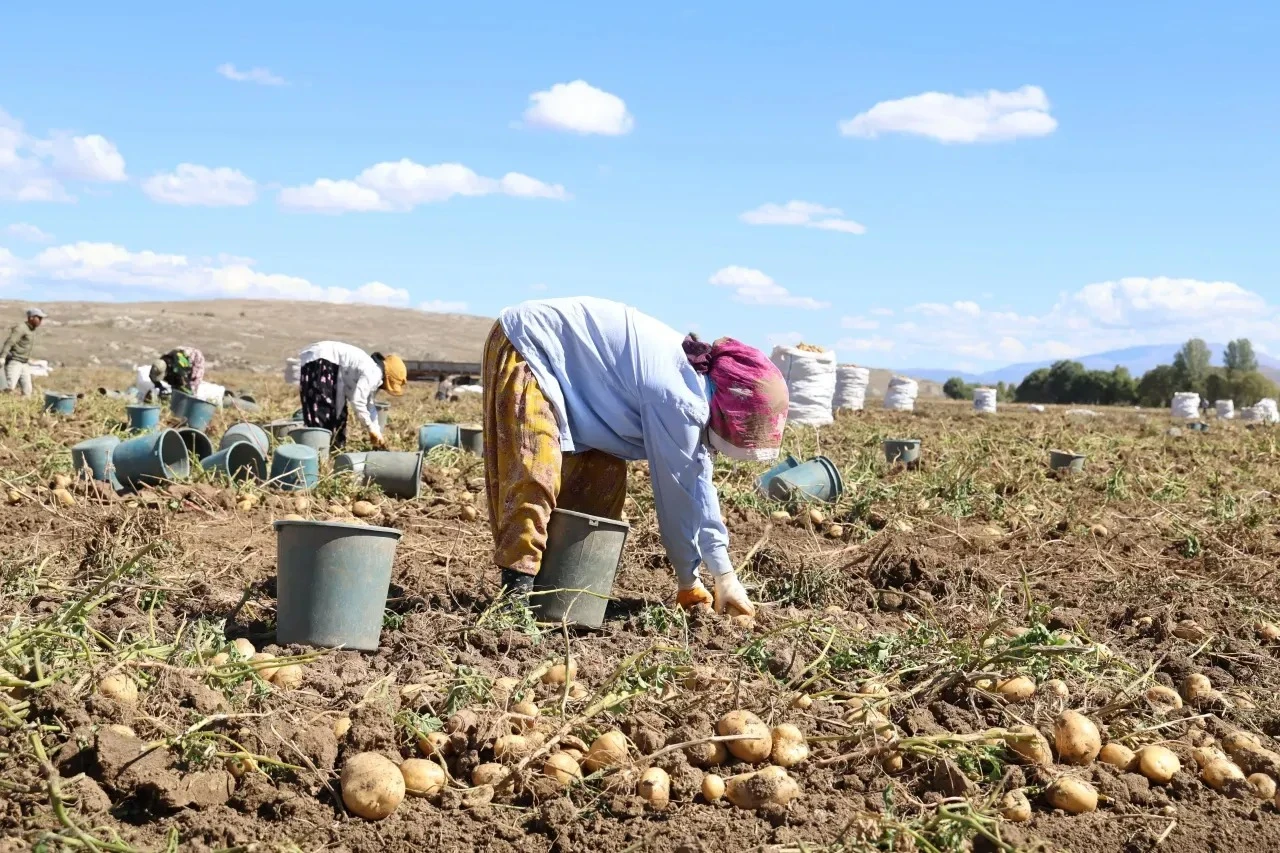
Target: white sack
x,y
1226,409
1035,407
811,383
901,394
1267,411
1186,404
142,380
984,400
210,392
293,371
851,387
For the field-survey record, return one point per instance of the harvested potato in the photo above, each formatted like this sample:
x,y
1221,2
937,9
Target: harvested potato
x,y
655,788
1264,787
1158,763
243,647
1077,738
562,767
1015,807
372,786
119,687
892,763
341,726
1223,776
789,745
301,503
489,774
1269,631
1198,688
220,659
469,513
754,748
1163,698
422,778
1191,630
288,677
1118,755
707,754
1246,751
770,785
712,787
240,765
1054,688
780,516
834,531
62,497
802,702
1205,754
527,715
608,750
433,743
14,497
1072,795
264,670
364,509
1016,689
503,689
561,672
462,722
511,748
1029,745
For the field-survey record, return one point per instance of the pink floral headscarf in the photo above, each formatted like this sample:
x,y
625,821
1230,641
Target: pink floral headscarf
x,y
748,398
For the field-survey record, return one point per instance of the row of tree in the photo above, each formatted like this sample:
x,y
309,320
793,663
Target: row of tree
x,y
1067,381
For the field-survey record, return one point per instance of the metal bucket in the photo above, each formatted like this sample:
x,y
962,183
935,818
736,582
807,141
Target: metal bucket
x,y
398,474
92,458
763,481
143,418
59,404
435,435
815,480
1066,460
332,581
294,468
317,438
471,438
238,461
904,450
580,562
252,433
153,458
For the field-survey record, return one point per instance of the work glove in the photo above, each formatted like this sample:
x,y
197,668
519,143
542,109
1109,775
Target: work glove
x,y
731,597
694,596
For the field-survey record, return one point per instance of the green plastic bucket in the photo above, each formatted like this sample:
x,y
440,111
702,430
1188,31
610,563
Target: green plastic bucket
x,y
178,401
435,435
198,444
294,468
251,433
199,413
143,418
398,474
281,429
1066,460
92,457
238,462
331,583
59,404
317,438
151,459
815,480
762,483
578,567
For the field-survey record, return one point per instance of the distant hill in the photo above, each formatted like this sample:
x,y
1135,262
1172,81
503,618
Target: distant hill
x,y
1138,359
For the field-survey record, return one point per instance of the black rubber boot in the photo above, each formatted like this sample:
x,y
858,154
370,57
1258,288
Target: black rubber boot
x,y
517,583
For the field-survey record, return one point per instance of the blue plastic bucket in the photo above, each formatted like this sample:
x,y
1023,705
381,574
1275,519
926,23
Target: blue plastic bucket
x,y
252,433
435,435
143,418
815,480
199,413
317,438
198,444
471,438
294,467
332,581
238,461
92,457
762,483
59,404
904,450
178,401
154,458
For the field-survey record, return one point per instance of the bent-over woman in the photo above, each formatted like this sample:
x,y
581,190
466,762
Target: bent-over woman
x,y
334,374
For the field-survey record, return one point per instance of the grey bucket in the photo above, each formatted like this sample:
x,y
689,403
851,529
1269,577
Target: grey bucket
x,y
471,438
398,474
317,438
904,450
94,457
280,429
294,468
1066,460
252,433
384,414
238,461
581,559
332,581
59,404
197,442
243,405
816,480
156,457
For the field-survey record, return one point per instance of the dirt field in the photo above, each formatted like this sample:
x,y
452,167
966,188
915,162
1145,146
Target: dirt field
x,y
887,640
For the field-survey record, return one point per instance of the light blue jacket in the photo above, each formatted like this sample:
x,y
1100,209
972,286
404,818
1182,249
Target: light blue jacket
x,y
620,383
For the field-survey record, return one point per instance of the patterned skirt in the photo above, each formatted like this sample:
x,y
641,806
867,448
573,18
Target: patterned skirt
x,y
319,388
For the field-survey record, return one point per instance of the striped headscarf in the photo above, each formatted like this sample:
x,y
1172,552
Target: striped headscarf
x,y
748,398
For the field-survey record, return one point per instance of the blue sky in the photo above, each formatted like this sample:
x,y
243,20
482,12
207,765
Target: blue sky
x,y
1080,178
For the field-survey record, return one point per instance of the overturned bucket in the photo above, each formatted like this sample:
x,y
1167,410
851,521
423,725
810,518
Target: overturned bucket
x,y
198,444
332,581
763,481
92,458
238,462
150,459
904,450
317,438
815,480
294,467
243,405
398,474
578,567
252,433
1066,460
281,429
59,404
435,435
471,438
142,418
199,413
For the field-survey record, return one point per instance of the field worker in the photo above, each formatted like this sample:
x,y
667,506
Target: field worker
x,y
16,353
180,369
574,388
334,374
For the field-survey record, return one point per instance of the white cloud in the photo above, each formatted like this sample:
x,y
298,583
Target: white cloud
x,y
872,344
156,274
802,213
753,287
881,312
579,107
442,306
938,309
193,185
860,323
28,233
34,168
991,116
403,185
261,76
784,339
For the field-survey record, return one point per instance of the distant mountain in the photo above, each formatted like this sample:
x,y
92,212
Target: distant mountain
x,y
1138,359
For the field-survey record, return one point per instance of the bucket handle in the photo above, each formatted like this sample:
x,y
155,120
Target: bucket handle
x,y
593,522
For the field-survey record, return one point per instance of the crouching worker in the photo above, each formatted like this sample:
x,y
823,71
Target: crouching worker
x,y
180,369
334,374
574,388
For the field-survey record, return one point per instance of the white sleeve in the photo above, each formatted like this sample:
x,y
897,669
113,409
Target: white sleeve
x,y
361,399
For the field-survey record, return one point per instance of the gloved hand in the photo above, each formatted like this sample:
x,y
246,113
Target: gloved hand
x,y
731,597
694,596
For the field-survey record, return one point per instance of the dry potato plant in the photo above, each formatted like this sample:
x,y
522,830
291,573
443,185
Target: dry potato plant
x,y
973,654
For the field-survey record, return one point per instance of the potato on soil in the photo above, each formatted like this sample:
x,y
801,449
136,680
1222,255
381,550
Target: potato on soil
x,y
1077,738
892,763
712,787
707,754
119,687
511,748
469,513
769,786
1158,763
1118,755
14,497
780,516
1269,631
526,715
1163,698
1264,787
243,647
1029,745
802,702
240,765
754,748
789,745
1016,689
341,726
1198,688
1015,807
60,481
463,721
62,497
1224,776
489,774
422,778
1247,752
265,671
1072,795
1190,630
655,788
433,743
372,786
288,677
561,672
364,509
1054,688
608,750
562,767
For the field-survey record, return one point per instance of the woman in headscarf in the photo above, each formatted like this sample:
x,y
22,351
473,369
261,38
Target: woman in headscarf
x,y
334,374
574,388
180,369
